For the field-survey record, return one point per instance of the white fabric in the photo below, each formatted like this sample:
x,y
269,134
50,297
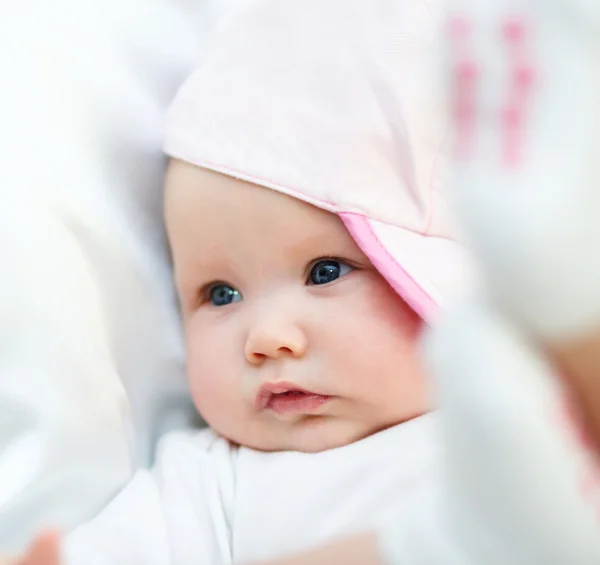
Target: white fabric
x,y
535,227
519,486
209,503
522,481
87,313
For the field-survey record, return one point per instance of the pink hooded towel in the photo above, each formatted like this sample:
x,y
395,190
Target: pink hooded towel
x,y
334,102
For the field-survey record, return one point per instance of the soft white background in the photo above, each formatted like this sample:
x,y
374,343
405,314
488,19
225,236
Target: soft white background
x,y
91,359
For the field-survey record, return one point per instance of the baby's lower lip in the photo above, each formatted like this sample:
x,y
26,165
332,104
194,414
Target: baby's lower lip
x,y
296,403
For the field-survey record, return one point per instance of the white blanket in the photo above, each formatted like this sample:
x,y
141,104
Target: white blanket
x,y
88,315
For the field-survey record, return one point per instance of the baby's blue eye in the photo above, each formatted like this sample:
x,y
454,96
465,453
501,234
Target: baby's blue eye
x,y
328,270
222,294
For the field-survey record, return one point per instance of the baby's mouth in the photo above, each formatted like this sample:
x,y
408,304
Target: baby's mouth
x,y
285,398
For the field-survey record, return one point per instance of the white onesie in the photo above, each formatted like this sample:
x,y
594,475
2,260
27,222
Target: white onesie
x,y
211,503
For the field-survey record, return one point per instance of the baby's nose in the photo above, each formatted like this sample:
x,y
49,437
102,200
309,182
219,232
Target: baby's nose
x,y
273,338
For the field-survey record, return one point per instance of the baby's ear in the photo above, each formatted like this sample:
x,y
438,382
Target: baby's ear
x,y
524,84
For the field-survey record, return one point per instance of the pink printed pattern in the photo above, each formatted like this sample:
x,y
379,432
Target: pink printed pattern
x,y
515,34
467,75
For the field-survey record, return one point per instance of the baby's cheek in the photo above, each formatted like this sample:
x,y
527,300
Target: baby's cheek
x,y
390,335
207,382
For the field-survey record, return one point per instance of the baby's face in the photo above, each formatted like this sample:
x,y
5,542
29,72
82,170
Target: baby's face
x,y
294,340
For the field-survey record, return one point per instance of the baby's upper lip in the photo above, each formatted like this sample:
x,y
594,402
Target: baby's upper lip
x,y
268,390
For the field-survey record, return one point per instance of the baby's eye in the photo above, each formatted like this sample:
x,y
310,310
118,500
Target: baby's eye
x,y
328,270
221,294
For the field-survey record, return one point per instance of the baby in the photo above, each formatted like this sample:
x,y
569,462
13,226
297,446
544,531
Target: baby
x,y
294,341
310,244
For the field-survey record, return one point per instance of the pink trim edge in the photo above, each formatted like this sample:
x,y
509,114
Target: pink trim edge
x,y
399,279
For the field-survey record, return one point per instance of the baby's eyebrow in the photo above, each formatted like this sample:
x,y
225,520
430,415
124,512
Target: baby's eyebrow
x,y
318,239
194,270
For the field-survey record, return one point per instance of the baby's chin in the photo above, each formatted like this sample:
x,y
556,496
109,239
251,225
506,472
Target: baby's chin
x,y
312,435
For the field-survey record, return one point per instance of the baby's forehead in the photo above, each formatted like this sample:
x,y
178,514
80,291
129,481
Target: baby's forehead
x,y
215,215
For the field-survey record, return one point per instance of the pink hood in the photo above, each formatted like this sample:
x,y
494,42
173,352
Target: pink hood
x,y
334,102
